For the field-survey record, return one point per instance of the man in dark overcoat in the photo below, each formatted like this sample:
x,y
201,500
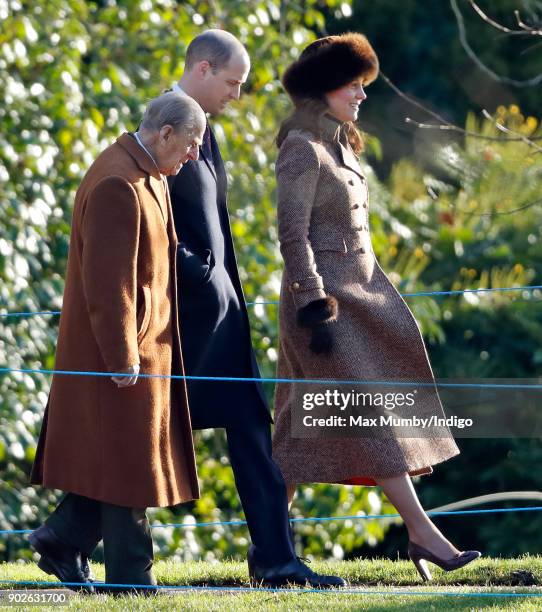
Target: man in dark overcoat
x,y
120,443
216,332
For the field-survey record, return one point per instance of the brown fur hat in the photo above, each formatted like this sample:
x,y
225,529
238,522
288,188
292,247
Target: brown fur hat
x,y
329,63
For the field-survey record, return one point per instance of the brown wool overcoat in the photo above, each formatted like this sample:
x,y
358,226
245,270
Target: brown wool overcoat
x,y
325,242
125,446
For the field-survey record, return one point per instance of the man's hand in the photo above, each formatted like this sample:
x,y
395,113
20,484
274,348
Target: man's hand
x,y
127,381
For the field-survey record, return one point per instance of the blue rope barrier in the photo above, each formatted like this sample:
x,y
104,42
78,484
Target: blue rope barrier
x,y
267,303
322,518
437,293
30,314
315,381
285,591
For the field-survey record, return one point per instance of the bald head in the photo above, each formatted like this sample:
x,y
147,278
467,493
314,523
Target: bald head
x,y
181,112
216,66
217,47
172,130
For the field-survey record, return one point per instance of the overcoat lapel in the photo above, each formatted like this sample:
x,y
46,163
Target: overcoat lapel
x,y
331,131
350,160
220,175
209,163
157,187
153,182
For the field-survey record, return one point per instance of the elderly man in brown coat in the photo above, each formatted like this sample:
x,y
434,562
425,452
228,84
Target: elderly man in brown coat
x,y
118,443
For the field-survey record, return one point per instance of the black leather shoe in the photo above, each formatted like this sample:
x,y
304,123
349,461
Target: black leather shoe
x,y
292,572
59,559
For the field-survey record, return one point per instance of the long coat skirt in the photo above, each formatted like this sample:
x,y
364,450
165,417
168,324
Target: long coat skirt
x,y
325,242
127,446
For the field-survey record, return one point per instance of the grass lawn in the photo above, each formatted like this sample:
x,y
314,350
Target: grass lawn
x,y
382,585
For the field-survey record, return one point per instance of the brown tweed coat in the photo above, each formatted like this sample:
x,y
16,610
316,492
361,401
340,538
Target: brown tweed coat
x,y
127,446
325,242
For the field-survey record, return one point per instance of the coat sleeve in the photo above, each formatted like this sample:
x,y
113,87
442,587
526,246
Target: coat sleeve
x,y
110,236
298,170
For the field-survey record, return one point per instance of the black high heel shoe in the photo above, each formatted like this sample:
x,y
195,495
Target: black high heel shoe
x,y
419,556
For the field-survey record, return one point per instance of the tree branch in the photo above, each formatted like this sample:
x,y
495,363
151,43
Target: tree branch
x,y
472,55
445,125
507,212
412,101
527,29
507,130
524,30
491,22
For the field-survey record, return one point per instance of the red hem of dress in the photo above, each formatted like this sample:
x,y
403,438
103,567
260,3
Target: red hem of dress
x,y
359,480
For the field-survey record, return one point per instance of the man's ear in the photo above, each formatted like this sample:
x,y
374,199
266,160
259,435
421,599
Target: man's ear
x,y
166,131
203,68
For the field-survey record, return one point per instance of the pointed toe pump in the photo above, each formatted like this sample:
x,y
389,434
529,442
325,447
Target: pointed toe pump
x,y
420,556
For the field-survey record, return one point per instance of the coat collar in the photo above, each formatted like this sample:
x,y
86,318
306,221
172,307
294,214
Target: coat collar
x,y
142,159
330,129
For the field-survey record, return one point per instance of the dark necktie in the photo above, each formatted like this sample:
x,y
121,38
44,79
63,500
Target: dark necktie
x,y
206,144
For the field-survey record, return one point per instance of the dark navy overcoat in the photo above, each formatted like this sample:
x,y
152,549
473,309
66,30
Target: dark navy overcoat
x,y
215,335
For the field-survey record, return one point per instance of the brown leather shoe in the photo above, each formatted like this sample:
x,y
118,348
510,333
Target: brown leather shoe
x,y
59,559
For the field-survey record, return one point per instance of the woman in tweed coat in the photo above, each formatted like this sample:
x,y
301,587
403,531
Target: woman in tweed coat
x,y
340,316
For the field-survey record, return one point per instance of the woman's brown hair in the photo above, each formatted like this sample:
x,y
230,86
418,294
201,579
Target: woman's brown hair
x,y
307,116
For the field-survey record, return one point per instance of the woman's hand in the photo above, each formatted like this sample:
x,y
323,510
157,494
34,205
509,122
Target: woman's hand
x,y
321,339
319,316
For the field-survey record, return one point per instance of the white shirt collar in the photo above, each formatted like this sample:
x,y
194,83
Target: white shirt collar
x,y
177,89
136,135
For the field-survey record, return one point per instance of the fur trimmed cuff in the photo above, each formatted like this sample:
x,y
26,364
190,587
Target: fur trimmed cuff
x,y
320,311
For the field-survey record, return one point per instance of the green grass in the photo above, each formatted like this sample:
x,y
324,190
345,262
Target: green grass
x,y
374,578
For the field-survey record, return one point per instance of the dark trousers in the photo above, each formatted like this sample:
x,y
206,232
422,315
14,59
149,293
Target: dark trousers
x,y
82,522
262,491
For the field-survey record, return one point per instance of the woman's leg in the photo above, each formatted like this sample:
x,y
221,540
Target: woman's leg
x,y
421,530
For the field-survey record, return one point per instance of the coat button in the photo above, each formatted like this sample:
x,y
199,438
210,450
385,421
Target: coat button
x,y
364,204
351,181
295,285
355,206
